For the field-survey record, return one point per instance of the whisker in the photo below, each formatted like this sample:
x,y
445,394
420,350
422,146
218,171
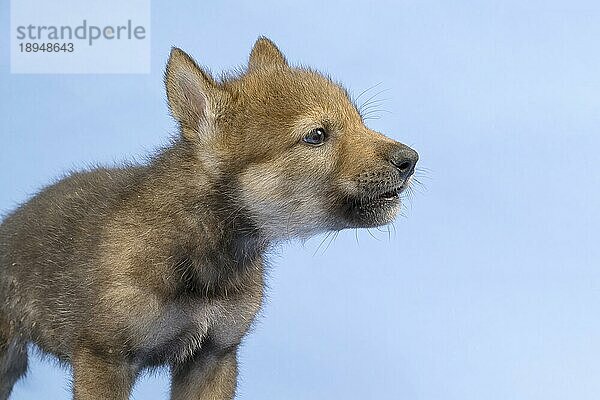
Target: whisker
x,y
421,188
366,90
374,102
322,241
374,111
373,96
373,236
371,103
331,241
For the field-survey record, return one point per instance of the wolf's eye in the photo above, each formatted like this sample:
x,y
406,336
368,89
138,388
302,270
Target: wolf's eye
x,y
316,137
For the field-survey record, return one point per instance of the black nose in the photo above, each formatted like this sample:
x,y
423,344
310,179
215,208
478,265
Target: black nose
x,y
404,159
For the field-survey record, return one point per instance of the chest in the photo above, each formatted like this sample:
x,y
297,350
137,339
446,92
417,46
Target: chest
x,y
180,329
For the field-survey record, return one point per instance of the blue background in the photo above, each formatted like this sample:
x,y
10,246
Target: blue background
x,y
488,289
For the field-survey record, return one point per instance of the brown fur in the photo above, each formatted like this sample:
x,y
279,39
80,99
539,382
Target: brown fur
x,y
115,270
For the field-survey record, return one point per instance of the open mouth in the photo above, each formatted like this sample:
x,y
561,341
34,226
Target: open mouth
x,y
378,206
377,209
391,195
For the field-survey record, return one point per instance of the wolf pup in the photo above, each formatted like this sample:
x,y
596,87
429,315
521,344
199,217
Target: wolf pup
x,y
116,270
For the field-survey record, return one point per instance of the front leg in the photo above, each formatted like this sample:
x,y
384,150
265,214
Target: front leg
x,y
99,377
209,375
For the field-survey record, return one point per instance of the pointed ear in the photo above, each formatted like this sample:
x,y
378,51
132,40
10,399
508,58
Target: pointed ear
x,y
192,94
265,54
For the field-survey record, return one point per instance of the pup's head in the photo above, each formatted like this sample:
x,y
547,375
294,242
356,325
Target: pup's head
x,y
288,145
